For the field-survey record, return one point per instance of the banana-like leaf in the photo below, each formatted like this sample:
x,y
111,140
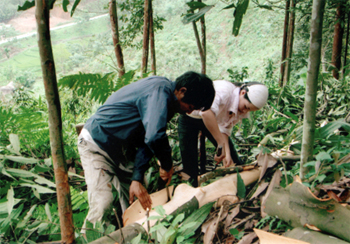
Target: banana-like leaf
x,y
196,16
23,160
197,217
240,11
329,128
40,189
14,140
10,200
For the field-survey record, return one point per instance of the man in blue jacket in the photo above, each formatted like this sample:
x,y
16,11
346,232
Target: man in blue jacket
x,y
118,141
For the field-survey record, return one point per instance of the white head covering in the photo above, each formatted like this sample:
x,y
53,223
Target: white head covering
x,y
258,95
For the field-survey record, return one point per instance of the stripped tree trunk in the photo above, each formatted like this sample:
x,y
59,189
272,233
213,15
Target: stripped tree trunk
x,y
311,84
115,35
151,39
337,41
284,42
55,121
145,47
290,40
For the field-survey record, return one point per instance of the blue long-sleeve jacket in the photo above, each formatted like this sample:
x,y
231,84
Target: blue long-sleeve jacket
x,y
135,117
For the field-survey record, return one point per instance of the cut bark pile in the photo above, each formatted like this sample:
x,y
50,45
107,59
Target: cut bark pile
x,y
312,219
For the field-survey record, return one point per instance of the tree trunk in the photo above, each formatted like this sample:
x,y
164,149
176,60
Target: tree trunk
x,y
284,42
290,40
115,35
311,84
55,121
145,37
346,45
337,41
313,237
151,39
297,206
204,45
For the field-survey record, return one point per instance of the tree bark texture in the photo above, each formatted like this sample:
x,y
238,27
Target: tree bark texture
x,y
145,47
346,44
55,120
311,84
337,41
290,40
284,42
313,237
115,36
204,45
151,39
296,205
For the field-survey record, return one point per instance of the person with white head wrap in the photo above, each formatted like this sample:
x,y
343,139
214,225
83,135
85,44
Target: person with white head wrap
x,y
232,103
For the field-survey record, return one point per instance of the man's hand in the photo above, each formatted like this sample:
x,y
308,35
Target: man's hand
x,y
166,176
228,162
138,190
220,154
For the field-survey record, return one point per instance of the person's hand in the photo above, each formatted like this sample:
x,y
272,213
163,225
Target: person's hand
x,y
138,190
228,161
219,158
166,176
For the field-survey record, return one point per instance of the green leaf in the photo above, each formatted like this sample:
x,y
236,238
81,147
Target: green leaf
x,y
14,140
160,210
240,11
48,212
155,217
323,156
197,217
10,200
178,219
64,5
169,236
40,189
26,5
230,6
196,5
188,18
241,191
137,239
22,160
74,7
23,223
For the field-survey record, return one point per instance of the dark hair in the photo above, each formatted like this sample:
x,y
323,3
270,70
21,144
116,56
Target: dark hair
x,y
245,85
200,90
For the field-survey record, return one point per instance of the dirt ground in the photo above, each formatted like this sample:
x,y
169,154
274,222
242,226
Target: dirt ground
x,y
26,22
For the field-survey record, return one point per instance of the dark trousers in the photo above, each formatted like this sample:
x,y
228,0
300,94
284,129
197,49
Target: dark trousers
x,y
188,129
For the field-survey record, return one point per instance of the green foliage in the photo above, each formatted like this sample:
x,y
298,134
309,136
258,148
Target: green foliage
x,y
175,229
202,10
236,75
274,224
240,11
86,84
241,190
236,233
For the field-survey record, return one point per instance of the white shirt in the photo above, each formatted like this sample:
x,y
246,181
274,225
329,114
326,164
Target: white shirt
x,y
226,100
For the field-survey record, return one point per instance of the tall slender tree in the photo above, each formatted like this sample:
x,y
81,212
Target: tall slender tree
x,y
290,41
284,41
311,84
145,43
55,121
115,35
338,39
151,39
